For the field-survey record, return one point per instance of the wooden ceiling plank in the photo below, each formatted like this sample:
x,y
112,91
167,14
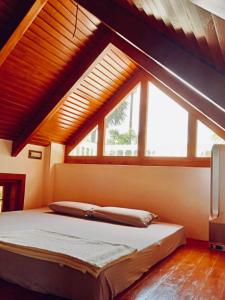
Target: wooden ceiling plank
x,y
220,29
179,9
41,50
86,18
43,24
45,44
54,22
82,101
98,84
211,37
100,92
21,29
170,19
103,111
76,106
121,70
30,68
187,68
98,46
87,96
58,17
100,74
69,112
87,90
197,28
51,39
124,62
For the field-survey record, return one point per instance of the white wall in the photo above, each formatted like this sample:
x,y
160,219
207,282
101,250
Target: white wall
x,y
54,154
177,194
33,168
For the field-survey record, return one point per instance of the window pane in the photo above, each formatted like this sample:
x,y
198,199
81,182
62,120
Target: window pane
x,y
206,138
167,126
122,124
1,197
88,146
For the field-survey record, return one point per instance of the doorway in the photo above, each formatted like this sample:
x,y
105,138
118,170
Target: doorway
x,y
12,187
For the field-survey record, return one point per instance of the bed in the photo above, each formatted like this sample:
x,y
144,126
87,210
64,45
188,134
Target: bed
x,y
152,244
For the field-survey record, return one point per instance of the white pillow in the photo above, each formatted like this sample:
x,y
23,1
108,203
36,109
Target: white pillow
x,y
133,217
72,208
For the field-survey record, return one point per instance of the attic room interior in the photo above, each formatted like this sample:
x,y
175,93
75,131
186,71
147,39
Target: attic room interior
x,y
112,149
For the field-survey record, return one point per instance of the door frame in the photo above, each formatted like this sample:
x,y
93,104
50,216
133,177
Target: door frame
x,y
14,191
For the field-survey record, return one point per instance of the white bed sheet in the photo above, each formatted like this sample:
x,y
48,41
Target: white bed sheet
x,y
153,244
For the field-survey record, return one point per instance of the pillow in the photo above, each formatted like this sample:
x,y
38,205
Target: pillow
x,y
133,217
77,209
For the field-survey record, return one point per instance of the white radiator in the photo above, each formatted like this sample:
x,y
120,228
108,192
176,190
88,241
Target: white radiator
x,y
217,207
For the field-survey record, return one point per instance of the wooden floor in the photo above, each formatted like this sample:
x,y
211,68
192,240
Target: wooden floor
x,y
192,272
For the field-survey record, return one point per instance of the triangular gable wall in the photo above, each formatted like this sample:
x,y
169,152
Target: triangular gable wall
x,y
99,118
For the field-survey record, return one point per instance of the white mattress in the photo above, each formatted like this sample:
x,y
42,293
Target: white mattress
x,y
153,244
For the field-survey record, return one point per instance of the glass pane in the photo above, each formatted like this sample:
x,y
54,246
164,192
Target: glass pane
x,y
1,197
206,138
122,124
1,192
88,146
167,126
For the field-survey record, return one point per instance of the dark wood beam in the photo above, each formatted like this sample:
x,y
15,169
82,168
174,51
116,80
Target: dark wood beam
x,y
21,29
95,50
90,124
189,70
172,82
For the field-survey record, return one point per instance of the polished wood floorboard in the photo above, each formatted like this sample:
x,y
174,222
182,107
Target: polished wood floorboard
x,y
191,272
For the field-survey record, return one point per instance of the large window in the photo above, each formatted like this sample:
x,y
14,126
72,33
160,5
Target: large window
x,y
167,126
88,146
121,127
170,133
206,138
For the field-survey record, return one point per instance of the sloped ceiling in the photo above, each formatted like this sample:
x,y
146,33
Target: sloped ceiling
x,y
37,63
188,25
48,58
95,89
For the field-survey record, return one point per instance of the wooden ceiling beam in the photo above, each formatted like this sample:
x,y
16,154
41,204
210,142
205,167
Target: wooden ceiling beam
x,y
95,50
191,71
90,124
21,29
169,80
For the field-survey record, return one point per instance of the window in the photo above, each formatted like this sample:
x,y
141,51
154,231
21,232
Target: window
x,y
206,138
88,146
167,126
171,131
121,127
1,197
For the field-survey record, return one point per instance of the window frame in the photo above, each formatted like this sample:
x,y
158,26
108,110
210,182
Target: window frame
x,y
191,160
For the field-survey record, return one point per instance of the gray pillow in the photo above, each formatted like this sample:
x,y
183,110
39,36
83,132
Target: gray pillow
x,y
72,208
133,217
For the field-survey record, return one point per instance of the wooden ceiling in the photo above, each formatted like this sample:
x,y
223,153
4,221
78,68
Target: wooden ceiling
x,y
58,64
87,98
38,61
193,28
